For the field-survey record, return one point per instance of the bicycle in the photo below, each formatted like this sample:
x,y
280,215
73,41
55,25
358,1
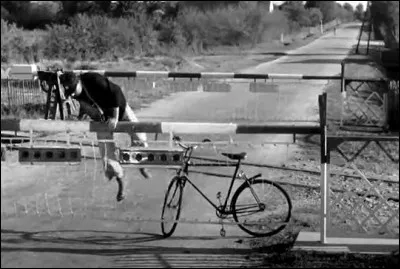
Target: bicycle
x,y
239,206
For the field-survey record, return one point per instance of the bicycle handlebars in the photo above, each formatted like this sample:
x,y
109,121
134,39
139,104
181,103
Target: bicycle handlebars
x,y
178,139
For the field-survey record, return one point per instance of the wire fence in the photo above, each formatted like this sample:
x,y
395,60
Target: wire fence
x,y
19,93
197,99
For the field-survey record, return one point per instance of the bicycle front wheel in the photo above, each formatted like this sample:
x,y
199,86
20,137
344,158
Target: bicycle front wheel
x,y
261,207
172,207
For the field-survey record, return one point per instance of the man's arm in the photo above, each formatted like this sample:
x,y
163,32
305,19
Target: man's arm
x,y
113,120
115,112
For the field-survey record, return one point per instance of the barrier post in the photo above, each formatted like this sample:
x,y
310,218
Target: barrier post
x,y
386,110
342,92
322,100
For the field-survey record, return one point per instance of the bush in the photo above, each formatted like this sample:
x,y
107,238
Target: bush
x,y
386,21
97,37
297,15
171,38
315,16
232,25
20,45
274,25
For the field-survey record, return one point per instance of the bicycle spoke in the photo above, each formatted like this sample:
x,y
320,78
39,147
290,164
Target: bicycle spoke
x,y
254,194
247,208
172,198
261,208
172,207
247,212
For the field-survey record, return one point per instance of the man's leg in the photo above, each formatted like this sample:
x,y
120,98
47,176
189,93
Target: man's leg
x,y
137,139
112,167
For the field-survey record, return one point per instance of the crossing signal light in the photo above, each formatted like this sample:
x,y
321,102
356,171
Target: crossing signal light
x,y
149,156
49,154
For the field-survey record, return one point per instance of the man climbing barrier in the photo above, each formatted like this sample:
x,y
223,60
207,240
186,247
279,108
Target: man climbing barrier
x,y
102,100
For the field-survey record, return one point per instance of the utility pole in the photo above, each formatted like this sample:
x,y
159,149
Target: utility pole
x,y
370,25
322,26
362,27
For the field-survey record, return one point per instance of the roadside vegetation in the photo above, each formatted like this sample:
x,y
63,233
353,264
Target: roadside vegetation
x,y
385,16
102,30
151,34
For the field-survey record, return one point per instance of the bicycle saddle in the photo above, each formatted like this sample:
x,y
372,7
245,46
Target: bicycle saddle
x,y
235,156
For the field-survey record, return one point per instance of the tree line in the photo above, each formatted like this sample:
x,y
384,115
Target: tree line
x,y
86,30
38,14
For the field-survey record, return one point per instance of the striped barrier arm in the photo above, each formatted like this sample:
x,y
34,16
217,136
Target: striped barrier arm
x,y
224,75
205,75
227,75
27,70
56,126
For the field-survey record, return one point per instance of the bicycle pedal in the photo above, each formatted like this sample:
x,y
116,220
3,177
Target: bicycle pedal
x,y
222,232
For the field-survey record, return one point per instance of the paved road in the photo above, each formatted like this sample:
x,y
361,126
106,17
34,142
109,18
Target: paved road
x,y
116,243
295,100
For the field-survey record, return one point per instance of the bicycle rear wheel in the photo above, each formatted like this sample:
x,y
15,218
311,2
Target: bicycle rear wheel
x,y
262,207
172,207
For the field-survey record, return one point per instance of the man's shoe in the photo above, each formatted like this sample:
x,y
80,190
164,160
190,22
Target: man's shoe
x,y
145,173
120,197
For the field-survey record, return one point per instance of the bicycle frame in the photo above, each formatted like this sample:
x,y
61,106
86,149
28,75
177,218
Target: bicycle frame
x,y
185,170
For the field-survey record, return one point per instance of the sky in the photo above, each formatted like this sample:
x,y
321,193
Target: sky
x,y
354,3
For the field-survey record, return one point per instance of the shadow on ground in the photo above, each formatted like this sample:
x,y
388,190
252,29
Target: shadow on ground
x,y
279,54
314,61
351,26
167,257
118,242
126,249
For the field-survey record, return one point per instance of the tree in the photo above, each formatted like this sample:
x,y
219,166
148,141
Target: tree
x,y
345,13
103,7
209,5
30,14
311,4
359,12
315,16
127,8
15,9
348,7
296,13
5,15
328,9
385,15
